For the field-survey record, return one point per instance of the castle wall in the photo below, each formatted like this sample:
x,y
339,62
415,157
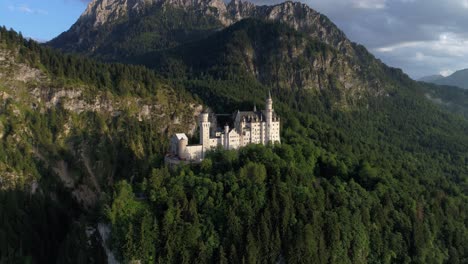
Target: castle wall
x,y
255,130
194,152
233,140
275,132
245,139
214,142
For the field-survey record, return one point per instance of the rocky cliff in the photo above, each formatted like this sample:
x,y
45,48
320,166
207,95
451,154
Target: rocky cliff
x,y
102,16
75,131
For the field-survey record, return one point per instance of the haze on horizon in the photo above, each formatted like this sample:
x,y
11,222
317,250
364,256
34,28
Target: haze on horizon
x,y
423,37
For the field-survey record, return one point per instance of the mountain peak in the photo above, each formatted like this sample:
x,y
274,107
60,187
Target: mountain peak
x,y
101,12
161,24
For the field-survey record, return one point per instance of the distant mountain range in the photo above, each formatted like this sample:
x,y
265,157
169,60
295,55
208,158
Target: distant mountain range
x,y
459,79
431,78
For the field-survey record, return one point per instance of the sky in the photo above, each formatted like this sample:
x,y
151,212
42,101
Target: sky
x,y
423,37
41,20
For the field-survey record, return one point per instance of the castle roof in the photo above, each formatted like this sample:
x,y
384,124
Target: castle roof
x,y
180,136
249,115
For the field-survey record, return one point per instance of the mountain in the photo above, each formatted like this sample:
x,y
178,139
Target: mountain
x,y
370,169
118,29
162,33
452,98
458,78
450,92
431,78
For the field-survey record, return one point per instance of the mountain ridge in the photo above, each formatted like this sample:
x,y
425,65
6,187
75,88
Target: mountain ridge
x,y
458,79
100,14
430,78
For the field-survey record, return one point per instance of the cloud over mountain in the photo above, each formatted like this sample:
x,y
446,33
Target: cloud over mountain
x,y
421,36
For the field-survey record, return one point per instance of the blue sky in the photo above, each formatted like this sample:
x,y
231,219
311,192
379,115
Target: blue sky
x,y
40,19
422,37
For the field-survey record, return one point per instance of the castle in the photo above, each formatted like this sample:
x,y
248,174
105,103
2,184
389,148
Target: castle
x,y
257,127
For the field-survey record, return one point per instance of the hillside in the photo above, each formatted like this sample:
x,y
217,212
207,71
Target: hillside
x,y
370,170
275,55
70,127
458,79
452,98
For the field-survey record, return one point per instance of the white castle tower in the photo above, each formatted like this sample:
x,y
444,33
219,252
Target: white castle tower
x,y
204,131
269,117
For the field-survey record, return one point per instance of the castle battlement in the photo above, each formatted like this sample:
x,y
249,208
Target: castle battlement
x,y
247,127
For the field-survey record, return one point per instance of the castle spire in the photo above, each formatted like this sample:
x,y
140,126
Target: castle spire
x,y
255,108
268,117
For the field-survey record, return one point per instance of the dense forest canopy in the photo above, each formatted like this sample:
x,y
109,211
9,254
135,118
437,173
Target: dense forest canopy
x,y
382,182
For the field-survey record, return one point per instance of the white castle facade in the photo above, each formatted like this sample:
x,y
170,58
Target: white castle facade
x,y
248,127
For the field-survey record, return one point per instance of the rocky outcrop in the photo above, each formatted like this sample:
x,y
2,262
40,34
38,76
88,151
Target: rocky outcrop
x,y
100,15
100,12
31,86
71,158
13,70
302,18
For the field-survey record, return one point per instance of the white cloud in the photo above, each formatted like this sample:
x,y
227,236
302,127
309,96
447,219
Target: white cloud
x,y
465,3
420,56
449,44
446,73
422,37
23,8
443,55
397,46
369,4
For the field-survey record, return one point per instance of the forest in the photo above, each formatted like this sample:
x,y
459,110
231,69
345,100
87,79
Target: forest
x,y
384,183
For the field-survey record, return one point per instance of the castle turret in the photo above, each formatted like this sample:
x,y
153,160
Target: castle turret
x,y
204,131
269,117
226,136
241,131
182,149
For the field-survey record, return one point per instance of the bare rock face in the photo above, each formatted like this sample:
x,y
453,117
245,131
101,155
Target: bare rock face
x,y
302,18
100,12
101,15
239,10
11,69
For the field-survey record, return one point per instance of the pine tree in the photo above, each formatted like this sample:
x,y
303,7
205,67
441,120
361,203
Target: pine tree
x,y
222,256
129,248
252,249
147,239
